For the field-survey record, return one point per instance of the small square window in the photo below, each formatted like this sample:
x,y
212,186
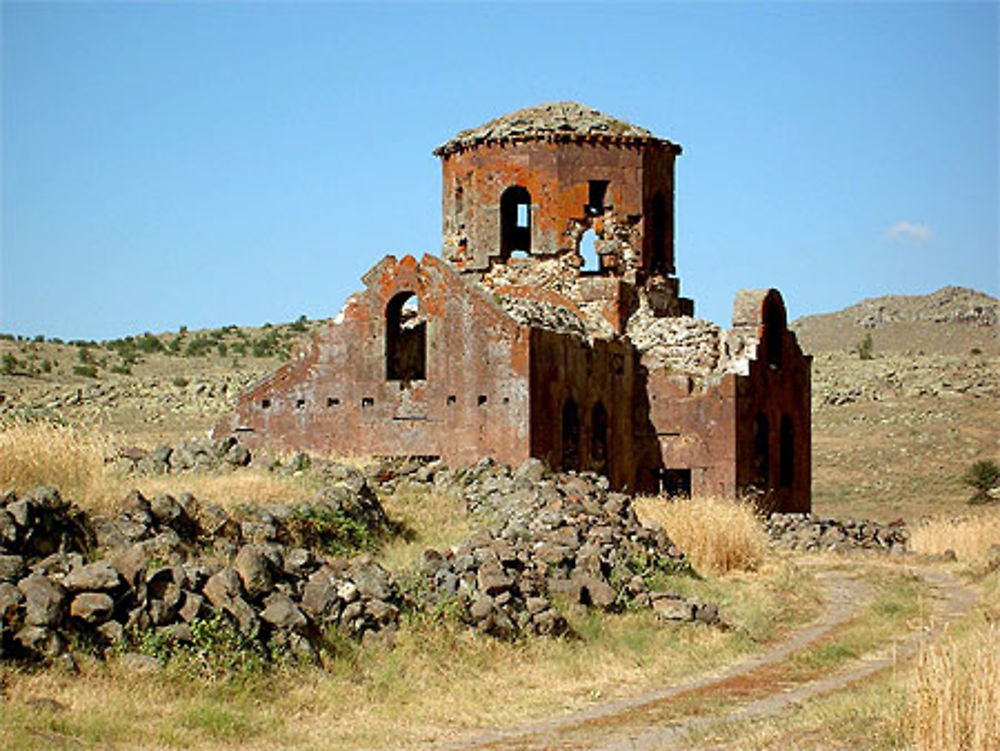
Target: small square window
x,y
265,403
367,401
481,400
451,399
332,401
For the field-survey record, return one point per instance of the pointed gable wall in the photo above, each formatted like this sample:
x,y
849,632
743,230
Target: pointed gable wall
x,y
339,395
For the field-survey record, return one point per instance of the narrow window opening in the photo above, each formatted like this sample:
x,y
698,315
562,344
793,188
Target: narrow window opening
x,y
588,252
265,403
599,439
367,401
523,217
787,446
451,399
481,400
761,451
675,483
658,242
774,329
332,401
459,202
405,339
596,196
300,403
570,436
515,221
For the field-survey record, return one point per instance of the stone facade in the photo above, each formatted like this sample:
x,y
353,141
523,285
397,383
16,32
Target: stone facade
x,y
517,344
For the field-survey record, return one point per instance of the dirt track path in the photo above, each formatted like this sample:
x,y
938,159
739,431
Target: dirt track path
x,y
632,724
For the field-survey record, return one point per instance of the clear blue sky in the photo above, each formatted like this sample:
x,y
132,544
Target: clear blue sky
x,y
207,164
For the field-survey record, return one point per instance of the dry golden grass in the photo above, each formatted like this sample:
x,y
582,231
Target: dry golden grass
x,y
969,537
42,453
72,459
955,694
717,534
431,520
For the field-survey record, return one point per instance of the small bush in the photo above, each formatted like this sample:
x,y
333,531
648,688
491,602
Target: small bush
x,y
11,365
180,382
299,325
865,347
982,477
717,534
87,371
329,530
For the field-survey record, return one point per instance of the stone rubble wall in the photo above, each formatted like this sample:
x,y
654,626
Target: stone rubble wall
x,y
162,564
810,532
549,541
275,573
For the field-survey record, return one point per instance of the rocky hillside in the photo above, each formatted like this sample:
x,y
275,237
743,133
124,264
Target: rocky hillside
x,y
951,321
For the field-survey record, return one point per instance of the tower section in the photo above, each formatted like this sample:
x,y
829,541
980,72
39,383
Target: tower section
x,y
560,181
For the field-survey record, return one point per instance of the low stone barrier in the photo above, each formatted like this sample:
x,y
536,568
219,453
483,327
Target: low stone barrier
x,y
814,533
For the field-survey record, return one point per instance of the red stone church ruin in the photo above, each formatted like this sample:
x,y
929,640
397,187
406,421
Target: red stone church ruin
x,y
552,327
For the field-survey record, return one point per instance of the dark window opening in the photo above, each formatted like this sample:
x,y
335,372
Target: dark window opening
x,y
787,445
332,401
452,399
570,436
761,452
515,221
588,252
506,400
405,339
300,403
658,243
458,201
596,196
599,439
774,330
367,401
675,483
481,400
265,403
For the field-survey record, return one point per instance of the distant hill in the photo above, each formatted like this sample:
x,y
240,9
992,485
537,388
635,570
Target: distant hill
x,y
953,320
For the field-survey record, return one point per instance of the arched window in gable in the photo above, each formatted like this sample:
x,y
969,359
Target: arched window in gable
x,y
405,339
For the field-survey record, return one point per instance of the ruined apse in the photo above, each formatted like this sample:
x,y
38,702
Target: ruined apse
x,y
552,326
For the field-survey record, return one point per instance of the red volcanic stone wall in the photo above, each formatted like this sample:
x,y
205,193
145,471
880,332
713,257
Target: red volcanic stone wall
x,y
565,369
335,395
557,175
777,387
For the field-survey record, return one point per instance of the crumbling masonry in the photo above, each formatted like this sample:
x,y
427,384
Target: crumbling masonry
x,y
553,328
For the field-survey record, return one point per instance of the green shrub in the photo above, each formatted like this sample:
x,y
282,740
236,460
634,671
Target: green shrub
x,y
180,382
87,371
299,325
982,477
11,364
865,347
